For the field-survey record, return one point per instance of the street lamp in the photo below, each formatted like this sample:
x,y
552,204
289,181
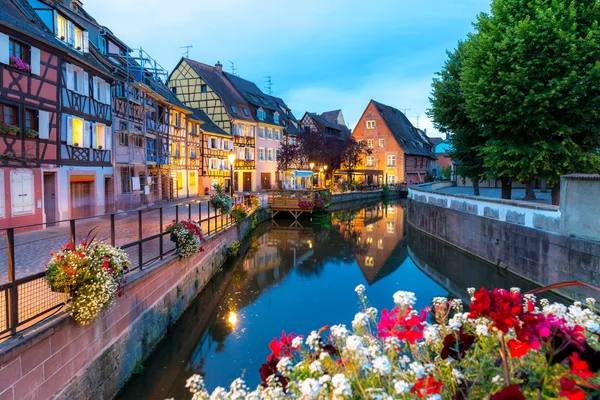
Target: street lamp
x,y
311,165
231,157
325,176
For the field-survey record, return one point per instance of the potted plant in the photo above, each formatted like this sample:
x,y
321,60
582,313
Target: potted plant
x,y
99,147
220,201
19,64
239,213
187,236
31,133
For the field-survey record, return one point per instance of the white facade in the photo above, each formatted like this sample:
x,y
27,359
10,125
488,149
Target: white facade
x,y
268,139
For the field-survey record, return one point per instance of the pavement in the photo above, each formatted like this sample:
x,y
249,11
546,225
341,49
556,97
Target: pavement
x,y
33,248
517,194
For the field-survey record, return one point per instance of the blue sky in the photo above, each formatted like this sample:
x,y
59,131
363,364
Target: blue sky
x,y
320,54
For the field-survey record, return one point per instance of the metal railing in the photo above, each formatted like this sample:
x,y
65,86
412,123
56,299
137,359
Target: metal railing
x,y
26,297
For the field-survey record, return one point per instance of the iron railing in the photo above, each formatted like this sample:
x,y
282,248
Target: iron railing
x,y
25,296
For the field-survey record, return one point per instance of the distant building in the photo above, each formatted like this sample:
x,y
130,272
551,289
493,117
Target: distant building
x,y
330,123
441,147
401,152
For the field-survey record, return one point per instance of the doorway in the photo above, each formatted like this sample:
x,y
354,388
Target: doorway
x,y
50,198
265,180
81,199
247,181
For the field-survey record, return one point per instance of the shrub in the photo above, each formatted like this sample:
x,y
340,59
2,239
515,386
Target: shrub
x,y
188,237
255,202
220,201
386,191
305,205
92,273
234,248
239,213
506,347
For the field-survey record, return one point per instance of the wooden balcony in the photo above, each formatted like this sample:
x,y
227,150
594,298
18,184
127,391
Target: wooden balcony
x,y
245,164
217,153
218,173
243,141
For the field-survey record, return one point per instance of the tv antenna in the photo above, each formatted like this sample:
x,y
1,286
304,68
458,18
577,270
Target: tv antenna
x,y
269,84
418,117
187,50
233,68
404,110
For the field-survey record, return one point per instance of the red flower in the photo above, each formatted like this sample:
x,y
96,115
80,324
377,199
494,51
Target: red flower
x,y
570,390
406,326
517,349
511,392
426,386
456,345
499,305
69,246
282,346
580,367
533,329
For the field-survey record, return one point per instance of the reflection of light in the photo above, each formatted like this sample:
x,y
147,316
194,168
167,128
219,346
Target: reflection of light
x,y
369,240
370,228
309,243
232,318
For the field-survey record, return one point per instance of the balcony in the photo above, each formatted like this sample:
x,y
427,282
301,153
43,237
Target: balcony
x,y
243,141
218,153
244,164
218,173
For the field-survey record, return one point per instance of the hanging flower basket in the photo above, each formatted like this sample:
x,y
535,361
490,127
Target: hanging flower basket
x,y
187,236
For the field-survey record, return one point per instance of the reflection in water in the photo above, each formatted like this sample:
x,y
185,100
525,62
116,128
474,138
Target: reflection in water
x,y
300,279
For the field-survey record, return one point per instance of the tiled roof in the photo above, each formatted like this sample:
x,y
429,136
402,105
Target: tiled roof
x,y
320,120
223,87
208,125
407,136
591,177
331,116
436,140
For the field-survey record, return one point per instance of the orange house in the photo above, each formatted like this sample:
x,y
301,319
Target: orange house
x,y
400,152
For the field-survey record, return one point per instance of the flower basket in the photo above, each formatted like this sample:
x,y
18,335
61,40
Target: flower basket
x,y
187,236
19,64
9,129
93,274
31,133
239,213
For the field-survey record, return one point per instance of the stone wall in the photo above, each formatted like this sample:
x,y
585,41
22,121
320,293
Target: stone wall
x,y
63,360
527,240
363,196
580,205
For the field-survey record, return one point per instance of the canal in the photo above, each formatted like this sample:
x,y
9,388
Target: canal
x,y
300,280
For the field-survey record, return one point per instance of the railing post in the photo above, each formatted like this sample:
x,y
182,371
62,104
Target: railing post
x,y
13,297
208,218
199,212
112,230
72,232
160,238
140,259
189,207
177,213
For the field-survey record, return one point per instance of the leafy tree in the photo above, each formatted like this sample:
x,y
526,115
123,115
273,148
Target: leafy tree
x,y
447,173
449,114
353,155
531,79
289,156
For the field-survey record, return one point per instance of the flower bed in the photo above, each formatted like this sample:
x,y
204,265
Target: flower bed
x,y
507,347
92,273
188,237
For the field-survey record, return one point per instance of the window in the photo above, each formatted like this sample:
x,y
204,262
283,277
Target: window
x,y
276,156
391,179
18,50
269,133
233,109
126,174
261,154
261,132
380,244
390,227
370,143
21,188
101,90
415,162
102,44
277,134
123,134
192,178
177,119
77,38
193,154
179,181
371,124
276,117
99,136
138,141
270,154
391,161
261,114
8,115
370,161
77,79
421,163
77,128
61,28
203,88
369,261
245,111
381,142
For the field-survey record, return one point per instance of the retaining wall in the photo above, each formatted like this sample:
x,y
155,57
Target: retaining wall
x,y
363,196
63,360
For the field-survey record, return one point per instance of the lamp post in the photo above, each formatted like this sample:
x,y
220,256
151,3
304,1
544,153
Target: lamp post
x,y
312,165
231,157
320,173
325,176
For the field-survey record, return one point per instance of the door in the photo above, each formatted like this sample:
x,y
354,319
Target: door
x,y
265,180
108,195
247,181
50,198
81,199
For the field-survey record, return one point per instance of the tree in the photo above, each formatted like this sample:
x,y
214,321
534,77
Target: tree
x,y
449,114
531,79
289,156
353,155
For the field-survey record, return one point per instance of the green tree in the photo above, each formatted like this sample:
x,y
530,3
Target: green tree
x,y
531,79
353,155
449,114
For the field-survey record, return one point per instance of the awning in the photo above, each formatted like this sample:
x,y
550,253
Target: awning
x,y
82,178
303,174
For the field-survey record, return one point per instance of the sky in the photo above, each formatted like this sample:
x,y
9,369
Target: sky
x,y
321,55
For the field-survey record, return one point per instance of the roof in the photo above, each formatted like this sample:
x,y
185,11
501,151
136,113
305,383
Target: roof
x,y
591,177
320,120
408,137
436,140
223,87
207,124
331,116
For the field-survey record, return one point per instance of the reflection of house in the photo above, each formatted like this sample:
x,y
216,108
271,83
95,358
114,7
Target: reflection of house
x,y
380,230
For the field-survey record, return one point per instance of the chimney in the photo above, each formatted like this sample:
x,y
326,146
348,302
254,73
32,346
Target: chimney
x,y
219,66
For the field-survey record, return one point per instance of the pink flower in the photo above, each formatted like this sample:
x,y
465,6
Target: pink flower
x,y
407,326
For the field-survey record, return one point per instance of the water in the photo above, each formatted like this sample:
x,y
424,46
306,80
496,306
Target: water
x,y
300,280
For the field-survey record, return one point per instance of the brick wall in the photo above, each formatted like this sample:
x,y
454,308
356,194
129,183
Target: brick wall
x,y
63,360
539,255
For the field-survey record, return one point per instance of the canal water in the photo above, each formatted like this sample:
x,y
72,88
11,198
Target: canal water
x,y
300,279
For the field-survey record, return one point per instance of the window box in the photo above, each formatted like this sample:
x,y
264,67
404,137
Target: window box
x,y
9,129
19,64
31,133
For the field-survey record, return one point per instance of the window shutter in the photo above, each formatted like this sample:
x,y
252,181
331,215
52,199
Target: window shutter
x,y
70,131
86,134
22,192
95,91
107,92
2,192
70,77
4,48
107,138
86,44
86,84
44,125
94,135
35,60
71,34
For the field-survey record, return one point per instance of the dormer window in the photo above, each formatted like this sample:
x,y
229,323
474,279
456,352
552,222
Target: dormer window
x,y
245,111
371,124
276,117
261,114
102,44
71,34
233,109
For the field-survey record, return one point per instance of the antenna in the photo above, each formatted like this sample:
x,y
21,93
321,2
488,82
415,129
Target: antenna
x,y
187,50
269,84
404,110
418,116
233,68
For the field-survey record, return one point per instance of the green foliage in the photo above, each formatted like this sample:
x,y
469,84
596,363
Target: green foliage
x,y
386,191
239,213
446,173
233,249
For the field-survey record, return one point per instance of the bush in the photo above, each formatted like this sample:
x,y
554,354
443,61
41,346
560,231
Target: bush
x,y
92,273
506,347
239,213
188,237
386,191
306,205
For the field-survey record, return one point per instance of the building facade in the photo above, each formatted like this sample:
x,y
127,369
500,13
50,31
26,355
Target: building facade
x,y
401,153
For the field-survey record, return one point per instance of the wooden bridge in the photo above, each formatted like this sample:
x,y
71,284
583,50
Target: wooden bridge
x,y
296,202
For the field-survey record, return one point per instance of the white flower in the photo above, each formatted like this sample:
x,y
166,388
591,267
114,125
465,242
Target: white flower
x,y
404,299
339,331
372,312
341,386
316,367
431,333
354,343
481,330
439,300
360,320
382,365
313,340
458,375
417,368
401,387
471,291
515,290
284,365
325,379
297,342
323,355
434,397
310,388
360,289
497,379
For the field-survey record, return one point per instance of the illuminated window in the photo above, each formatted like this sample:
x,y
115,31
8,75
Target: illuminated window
x,y
380,244
391,161
370,161
78,132
371,124
391,209
192,179
390,227
369,261
77,38
370,143
370,228
381,142
179,181
61,28
369,241
391,179
100,136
